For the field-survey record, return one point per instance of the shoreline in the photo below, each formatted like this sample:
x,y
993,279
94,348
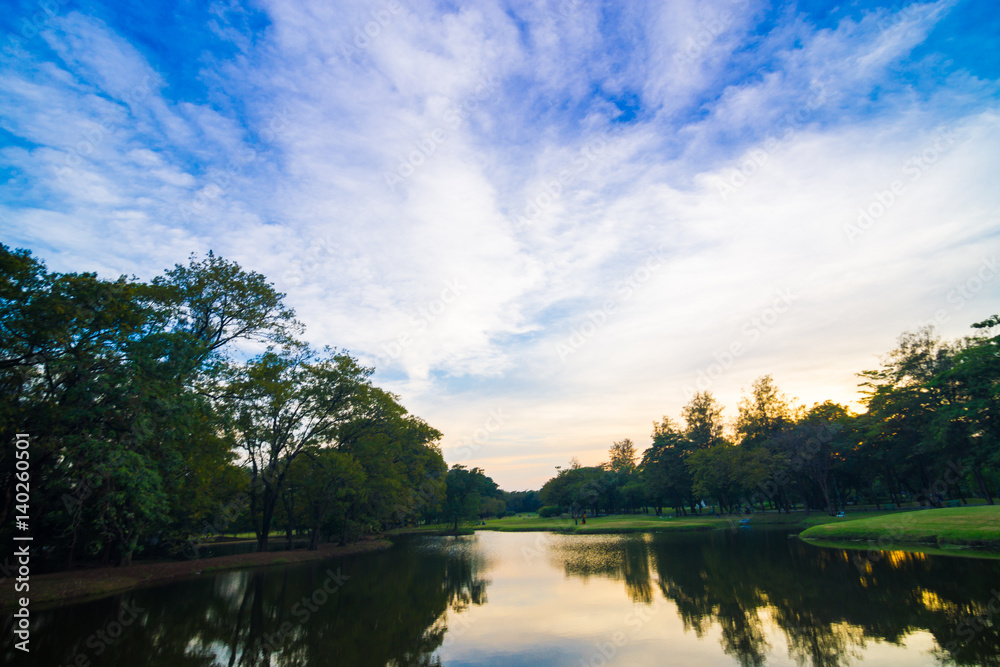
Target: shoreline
x,y
966,531
917,531
926,548
58,588
933,530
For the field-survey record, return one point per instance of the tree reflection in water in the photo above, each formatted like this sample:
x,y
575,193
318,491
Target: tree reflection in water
x,y
828,603
757,589
390,609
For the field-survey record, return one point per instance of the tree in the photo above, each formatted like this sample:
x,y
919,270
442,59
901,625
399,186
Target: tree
x,y
717,472
146,409
763,413
967,425
329,483
522,501
466,490
622,472
703,425
822,446
401,458
579,489
73,358
664,470
622,457
216,302
903,403
280,404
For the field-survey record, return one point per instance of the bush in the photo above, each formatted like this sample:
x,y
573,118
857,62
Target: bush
x,y
549,511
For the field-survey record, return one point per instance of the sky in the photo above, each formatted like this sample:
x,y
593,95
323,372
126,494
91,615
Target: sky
x,y
544,223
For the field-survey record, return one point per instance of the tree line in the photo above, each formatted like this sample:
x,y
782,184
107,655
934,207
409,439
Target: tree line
x,y
163,413
930,434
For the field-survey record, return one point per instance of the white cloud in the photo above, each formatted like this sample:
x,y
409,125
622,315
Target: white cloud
x,y
482,117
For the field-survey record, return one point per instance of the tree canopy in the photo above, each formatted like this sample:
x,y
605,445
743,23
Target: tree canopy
x,y
154,426
929,435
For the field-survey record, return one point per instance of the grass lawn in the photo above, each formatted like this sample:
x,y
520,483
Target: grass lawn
x,y
631,523
616,523
958,526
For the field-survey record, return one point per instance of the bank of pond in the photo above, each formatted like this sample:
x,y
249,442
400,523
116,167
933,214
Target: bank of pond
x,y
956,528
751,594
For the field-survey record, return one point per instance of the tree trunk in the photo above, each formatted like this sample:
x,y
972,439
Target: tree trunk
x,y
290,526
267,512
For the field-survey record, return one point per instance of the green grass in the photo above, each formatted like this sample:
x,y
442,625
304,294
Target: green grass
x,y
621,523
642,523
959,526
633,523
431,529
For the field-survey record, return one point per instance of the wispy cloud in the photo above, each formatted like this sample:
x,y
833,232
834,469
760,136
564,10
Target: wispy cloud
x,y
458,194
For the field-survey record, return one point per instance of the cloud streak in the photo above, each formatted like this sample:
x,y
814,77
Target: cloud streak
x,y
461,195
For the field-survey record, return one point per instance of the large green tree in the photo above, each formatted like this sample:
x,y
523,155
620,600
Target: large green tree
x,y
467,490
966,426
703,423
664,468
279,404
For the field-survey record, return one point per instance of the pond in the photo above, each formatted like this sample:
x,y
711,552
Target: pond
x,y
727,597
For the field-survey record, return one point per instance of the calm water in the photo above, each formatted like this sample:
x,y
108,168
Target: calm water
x,y
749,597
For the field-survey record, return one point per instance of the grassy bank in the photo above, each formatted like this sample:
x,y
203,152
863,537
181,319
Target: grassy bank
x,y
60,587
942,528
622,523
633,523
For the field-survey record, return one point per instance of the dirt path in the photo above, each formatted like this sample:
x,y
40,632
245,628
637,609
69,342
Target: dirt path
x,y
98,582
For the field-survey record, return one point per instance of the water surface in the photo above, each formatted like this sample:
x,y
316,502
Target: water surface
x,y
729,597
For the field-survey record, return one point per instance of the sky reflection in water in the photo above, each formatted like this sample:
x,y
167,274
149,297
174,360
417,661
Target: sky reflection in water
x,y
748,597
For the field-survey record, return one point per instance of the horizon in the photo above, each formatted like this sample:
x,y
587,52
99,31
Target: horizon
x,y
544,224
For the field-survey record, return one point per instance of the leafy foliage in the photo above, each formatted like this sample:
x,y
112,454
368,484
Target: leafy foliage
x,y
930,435
150,430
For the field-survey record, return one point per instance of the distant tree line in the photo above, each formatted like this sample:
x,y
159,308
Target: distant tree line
x,y
930,434
151,430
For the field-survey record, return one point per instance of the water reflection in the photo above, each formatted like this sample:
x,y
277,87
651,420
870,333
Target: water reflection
x,y
380,609
827,603
749,596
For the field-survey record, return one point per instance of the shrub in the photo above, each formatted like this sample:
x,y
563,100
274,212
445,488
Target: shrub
x,y
549,511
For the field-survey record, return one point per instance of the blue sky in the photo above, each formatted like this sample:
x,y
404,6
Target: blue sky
x,y
545,223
